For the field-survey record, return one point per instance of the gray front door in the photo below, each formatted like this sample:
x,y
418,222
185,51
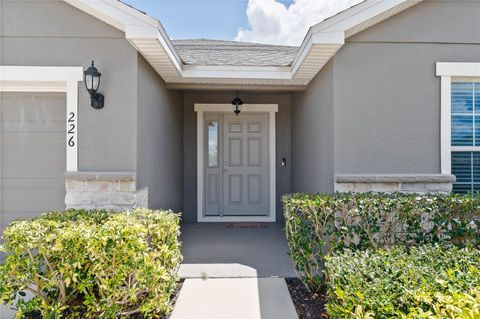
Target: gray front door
x,y
237,182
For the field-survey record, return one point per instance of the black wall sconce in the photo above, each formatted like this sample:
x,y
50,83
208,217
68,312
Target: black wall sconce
x,y
92,82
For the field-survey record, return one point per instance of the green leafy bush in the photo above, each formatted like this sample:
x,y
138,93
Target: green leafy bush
x,y
432,281
94,264
322,223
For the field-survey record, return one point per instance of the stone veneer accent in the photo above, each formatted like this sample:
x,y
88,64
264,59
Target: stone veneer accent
x,y
101,190
389,183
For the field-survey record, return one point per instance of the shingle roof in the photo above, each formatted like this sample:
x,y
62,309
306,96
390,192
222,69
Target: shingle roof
x,y
218,52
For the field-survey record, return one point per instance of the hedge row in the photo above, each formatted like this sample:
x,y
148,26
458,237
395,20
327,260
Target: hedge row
x,y
94,264
432,281
322,223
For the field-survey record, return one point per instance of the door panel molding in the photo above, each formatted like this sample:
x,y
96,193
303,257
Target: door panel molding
x,y
202,111
254,157
254,197
235,198
235,156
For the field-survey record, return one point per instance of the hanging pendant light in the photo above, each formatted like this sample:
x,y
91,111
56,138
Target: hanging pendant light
x,y
237,105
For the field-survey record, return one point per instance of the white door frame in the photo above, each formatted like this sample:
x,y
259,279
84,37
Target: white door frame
x,y
50,79
201,109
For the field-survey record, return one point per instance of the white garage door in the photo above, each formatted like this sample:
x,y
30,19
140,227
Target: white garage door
x,y
32,154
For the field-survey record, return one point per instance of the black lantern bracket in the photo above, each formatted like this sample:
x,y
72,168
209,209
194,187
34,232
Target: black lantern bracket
x,y
97,100
91,78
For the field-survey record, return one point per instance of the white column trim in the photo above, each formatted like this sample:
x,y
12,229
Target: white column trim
x,y
447,71
71,130
273,167
200,109
49,79
446,125
200,164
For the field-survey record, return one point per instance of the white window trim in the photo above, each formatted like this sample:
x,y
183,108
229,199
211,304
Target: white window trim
x,y
451,71
48,79
201,109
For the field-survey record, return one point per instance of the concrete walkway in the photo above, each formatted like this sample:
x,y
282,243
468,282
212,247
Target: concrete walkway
x,y
234,298
234,272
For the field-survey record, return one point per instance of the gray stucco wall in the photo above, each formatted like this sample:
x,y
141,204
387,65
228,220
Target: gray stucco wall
x,y
159,140
312,135
386,97
283,142
52,33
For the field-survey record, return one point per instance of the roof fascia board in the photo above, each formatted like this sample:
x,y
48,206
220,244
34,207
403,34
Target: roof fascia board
x,y
348,15
145,18
349,19
303,51
230,87
252,73
133,23
236,68
113,12
325,38
307,41
133,33
333,31
157,27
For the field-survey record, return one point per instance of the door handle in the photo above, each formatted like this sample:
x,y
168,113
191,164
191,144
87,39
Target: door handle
x,y
225,163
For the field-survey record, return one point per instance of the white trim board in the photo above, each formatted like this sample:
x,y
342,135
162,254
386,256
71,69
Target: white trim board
x,y
201,109
449,71
50,79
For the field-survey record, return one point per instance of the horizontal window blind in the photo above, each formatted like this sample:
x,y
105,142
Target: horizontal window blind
x,y
465,121
466,167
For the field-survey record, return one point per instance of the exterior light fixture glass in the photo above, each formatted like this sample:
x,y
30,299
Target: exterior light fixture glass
x,y
91,78
237,105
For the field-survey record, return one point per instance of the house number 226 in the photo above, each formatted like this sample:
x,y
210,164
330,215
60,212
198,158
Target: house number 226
x,y
71,129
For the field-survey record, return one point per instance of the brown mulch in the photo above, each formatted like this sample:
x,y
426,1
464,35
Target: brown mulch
x,y
308,305
174,297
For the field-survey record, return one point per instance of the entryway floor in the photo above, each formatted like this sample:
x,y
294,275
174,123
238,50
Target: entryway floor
x,y
229,250
234,298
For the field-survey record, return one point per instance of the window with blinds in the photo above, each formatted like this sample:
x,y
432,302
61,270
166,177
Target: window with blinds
x,y
466,136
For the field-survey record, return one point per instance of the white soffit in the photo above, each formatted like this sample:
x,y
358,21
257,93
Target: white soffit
x,y
319,46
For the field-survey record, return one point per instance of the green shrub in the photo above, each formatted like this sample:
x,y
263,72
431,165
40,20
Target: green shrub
x,y
94,264
432,281
319,224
